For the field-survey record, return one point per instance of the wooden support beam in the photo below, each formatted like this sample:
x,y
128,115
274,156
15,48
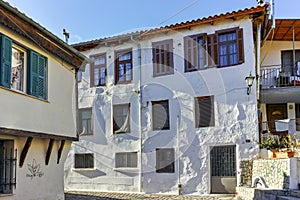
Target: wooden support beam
x,y
49,150
62,143
25,151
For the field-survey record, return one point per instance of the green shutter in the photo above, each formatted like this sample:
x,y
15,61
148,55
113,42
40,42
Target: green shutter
x,y
38,75
6,48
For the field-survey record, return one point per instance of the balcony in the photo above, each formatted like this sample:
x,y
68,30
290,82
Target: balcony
x,y
277,77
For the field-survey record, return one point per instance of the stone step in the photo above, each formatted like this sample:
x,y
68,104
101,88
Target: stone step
x,y
287,198
295,193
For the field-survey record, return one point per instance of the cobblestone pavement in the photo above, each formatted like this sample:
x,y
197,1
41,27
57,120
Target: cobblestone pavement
x,y
79,195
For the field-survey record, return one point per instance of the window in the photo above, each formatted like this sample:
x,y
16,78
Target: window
x,y
17,68
85,121
7,166
226,47
15,75
288,64
123,68
160,115
85,160
162,57
298,117
165,160
121,118
98,71
126,159
195,52
204,111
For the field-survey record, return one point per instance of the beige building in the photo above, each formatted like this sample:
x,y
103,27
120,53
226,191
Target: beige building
x,y
38,107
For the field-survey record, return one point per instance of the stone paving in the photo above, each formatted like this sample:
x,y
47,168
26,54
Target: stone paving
x,y
79,195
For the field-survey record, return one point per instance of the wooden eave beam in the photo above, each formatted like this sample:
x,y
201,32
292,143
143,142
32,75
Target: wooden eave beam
x,y
40,135
60,150
25,151
49,150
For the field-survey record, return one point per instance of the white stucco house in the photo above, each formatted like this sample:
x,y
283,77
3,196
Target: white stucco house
x,y
280,78
167,110
38,107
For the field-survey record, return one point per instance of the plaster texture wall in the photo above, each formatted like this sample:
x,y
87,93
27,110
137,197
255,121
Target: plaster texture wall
x,y
235,119
32,113
46,183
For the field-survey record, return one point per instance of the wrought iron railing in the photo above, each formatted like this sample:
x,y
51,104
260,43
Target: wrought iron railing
x,y
277,76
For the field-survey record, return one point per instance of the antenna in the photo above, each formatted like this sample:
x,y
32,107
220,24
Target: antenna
x,y
67,35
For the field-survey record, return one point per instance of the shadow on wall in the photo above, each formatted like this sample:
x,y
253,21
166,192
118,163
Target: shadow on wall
x,y
92,174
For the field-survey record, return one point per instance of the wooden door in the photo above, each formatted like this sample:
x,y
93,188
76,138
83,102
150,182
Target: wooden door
x,y
276,112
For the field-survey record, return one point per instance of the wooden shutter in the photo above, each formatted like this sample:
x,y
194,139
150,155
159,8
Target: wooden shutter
x,y
190,53
162,57
6,51
212,49
240,44
38,73
204,111
42,77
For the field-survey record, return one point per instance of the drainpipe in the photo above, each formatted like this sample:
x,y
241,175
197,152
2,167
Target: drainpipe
x,y
258,44
140,93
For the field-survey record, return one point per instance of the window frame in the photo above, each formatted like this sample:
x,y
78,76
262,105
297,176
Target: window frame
x,y
163,163
127,117
35,81
84,165
160,53
125,62
213,47
166,126
129,158
80,123
99,67
199,121
192,54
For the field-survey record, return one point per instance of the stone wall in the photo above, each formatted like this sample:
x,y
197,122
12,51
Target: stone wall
x,y
277,172
246,172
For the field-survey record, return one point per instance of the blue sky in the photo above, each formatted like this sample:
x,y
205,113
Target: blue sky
x,y
93,19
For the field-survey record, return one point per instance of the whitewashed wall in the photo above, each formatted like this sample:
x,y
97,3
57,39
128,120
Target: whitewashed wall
x,y
235,118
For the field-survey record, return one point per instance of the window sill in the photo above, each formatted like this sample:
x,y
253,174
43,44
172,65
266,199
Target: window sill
x,y
6,195
23,94
84,169
127,169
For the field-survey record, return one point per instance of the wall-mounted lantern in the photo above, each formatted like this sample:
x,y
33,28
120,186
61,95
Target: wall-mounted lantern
x,y
249,80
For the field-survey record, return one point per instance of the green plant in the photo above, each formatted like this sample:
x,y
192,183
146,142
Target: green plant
x,y
270,142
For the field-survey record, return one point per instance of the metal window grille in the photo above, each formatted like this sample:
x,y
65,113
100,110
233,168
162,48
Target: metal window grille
x,y
223,161
7,169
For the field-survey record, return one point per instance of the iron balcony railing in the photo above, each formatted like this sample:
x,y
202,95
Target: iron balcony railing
x,y
278,76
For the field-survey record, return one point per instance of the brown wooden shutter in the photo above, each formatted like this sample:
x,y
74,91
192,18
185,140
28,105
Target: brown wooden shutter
x,y
190,53
212,49
92,74
240,45
205,48
216,49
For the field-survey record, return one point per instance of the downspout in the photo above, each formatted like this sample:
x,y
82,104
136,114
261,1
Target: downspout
x,y
76,104
258,44
140,93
